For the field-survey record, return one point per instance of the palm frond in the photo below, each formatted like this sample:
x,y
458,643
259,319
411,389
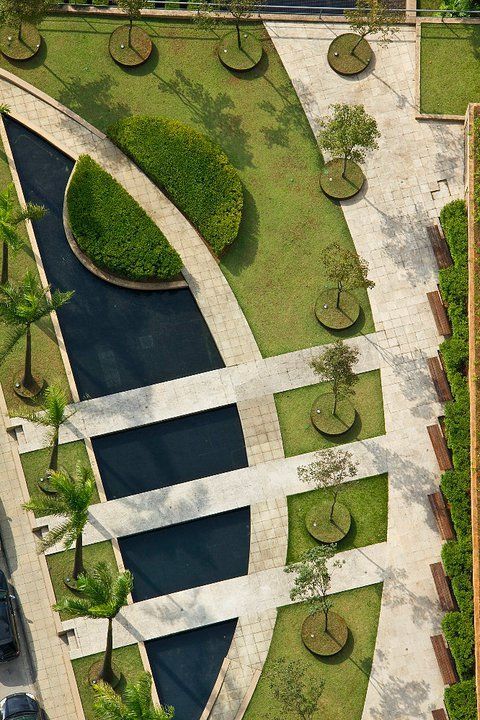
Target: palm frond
x,y
11,339
55,535
108,704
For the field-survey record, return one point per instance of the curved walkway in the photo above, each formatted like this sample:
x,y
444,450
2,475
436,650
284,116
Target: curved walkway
x,y
416,170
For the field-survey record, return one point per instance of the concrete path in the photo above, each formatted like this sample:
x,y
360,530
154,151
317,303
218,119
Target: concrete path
x,y
416,170
196,393
215,494
238,597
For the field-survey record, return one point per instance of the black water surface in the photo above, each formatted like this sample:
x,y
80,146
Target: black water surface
x,y
185,666
117,339
188,555
170,452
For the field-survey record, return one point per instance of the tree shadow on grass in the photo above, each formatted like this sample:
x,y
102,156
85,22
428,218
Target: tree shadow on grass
x,y
243,251
92,100
215,113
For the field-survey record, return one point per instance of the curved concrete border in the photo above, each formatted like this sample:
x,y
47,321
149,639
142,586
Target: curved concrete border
x,y
103,274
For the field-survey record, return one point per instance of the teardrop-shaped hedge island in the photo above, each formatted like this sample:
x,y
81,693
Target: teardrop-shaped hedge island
x,y
113,231
190,169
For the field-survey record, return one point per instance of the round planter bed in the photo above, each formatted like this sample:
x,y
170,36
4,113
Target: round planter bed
x,y
319,525
24,392
241,58
325,421
130,54
95,670
339,186
348,54
333,317
23,48
324,642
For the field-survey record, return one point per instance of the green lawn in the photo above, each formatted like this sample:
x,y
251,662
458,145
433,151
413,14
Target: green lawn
x,y
449,68
298,434
345,675
275,266
35,463
60,565
47,361
367,501
126,659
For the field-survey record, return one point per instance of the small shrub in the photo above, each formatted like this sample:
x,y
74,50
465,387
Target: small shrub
x,y
192,170
458,630
461,701
113,230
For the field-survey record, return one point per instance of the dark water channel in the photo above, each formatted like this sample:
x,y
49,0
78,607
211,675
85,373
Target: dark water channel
x,y
121,339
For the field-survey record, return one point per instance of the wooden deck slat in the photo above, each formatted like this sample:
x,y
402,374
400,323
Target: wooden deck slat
x,y
439,313
442,515
439,379
439,246
439,714
439,445
442,585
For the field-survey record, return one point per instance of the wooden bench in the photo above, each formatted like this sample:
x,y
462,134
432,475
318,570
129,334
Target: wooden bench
x,y
439,714
442,515
439,246
439,313
442,585
439,445
439,379
444,659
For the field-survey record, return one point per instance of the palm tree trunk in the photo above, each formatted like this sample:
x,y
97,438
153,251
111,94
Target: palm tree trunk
x,y
106,673
28,381
344,170
54,456
334,403
326,619
339,290
335,495
357,44
20,28
4,263
239,39
78,568
130,33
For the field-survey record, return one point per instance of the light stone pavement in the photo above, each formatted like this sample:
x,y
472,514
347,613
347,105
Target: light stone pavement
x,y
416,170
176,504
244,384
238,597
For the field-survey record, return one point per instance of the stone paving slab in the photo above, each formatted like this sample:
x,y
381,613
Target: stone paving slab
x,y
238,597
243,384
417,168
252,485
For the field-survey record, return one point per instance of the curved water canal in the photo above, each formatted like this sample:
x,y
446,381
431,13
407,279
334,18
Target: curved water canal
x,y
119,339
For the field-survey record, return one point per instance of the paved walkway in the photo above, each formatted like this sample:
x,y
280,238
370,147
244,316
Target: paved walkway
x,y
238,597
239,384
416,170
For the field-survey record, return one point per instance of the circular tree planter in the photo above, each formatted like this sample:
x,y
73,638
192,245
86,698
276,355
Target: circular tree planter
x,y
341,186
71,584
25,393
324,642
348,54
333,317
45,486
23,48
95,670
130,54
324,529
241,58
325,421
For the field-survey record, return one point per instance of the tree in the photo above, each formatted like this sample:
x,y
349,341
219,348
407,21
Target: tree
x,y
373,16
102,592
312,581
132,8
348,133
22,305
135,703
335,366
239,9
70,501
345,268
52,414
329,470
293,688
10,218
18,12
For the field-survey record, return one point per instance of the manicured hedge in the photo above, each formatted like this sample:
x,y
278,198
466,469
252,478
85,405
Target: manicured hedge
x,y
460,699
192,170
113,230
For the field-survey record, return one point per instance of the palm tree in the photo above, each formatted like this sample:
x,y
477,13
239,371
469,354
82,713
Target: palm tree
x,y
10,218
53,413
21,305
135,703
102,594
70,501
